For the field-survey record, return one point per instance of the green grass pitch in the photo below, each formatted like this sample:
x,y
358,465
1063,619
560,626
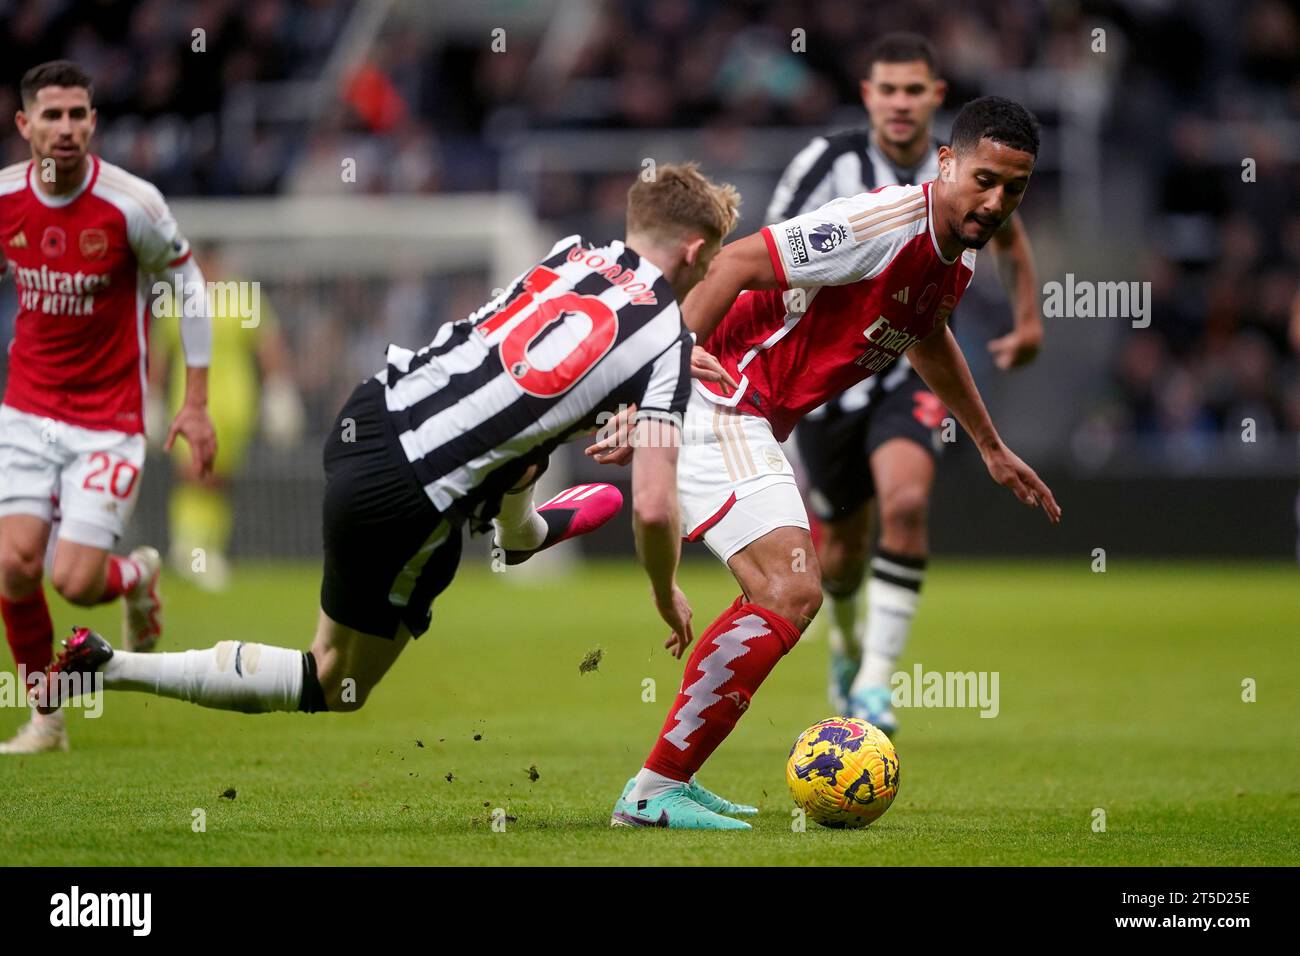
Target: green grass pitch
x,y
1120,692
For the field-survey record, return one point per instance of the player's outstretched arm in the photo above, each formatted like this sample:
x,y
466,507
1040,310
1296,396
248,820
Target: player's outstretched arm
x,y
162,252
1015,263
193,421
938,360
656,524
743,264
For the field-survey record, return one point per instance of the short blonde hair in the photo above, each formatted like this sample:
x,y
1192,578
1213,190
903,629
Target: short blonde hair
x,y
679,198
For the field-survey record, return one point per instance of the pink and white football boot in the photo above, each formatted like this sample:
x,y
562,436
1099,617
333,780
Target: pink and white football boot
x,y
574,511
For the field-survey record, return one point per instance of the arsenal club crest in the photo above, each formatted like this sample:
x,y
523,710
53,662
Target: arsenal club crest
x,y
946,305
927,298
93,243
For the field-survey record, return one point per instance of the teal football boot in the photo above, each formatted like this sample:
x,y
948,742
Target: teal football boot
x,y
674,810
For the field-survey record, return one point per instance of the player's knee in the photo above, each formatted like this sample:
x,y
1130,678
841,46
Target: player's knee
x,y
20,571
844,558
796,597
844,544
77,585
905,509
806,601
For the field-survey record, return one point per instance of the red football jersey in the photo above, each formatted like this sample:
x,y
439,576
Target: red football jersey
x,y
83,265
862,281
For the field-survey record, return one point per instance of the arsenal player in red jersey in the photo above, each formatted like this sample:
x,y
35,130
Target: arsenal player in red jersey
x,y
869,455
796,313
81,239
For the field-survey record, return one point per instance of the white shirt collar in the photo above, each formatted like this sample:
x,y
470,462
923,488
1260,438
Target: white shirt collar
x,y
56,202
929,212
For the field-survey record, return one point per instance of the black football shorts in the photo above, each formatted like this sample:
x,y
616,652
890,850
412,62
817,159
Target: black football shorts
x,y
836,447
388,550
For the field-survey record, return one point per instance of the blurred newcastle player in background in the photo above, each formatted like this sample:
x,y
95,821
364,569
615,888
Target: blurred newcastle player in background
x,y
250,386
458,433
83,241
796,313
880,438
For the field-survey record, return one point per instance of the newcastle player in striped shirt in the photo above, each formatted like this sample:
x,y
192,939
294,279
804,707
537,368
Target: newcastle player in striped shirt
x,y
457,433
880,438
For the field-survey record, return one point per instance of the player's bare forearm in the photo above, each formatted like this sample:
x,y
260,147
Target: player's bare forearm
x,y
939,362
655,519
196,386
658,545
657,527
1014,259
194,423
743,264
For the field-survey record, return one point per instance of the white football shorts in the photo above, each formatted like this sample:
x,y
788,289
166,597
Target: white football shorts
x,y
89,479
734,483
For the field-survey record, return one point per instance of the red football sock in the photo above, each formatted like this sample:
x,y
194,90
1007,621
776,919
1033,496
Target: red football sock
x,y
30,632
123,573
730,660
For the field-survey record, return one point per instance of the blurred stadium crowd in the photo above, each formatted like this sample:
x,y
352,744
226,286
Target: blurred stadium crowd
x,y
1193,88
160,89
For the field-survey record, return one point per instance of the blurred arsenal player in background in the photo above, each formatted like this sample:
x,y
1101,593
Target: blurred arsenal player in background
x,y
82,240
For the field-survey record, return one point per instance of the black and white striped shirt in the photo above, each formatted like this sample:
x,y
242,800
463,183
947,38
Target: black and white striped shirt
x,y
841,165
834,167
588,329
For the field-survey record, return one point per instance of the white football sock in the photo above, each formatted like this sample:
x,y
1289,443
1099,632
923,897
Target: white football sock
x,y
650,784
890,610
843,633
518,525
252,678
53,720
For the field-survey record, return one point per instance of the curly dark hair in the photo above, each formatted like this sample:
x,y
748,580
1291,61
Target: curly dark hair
x,y
999,119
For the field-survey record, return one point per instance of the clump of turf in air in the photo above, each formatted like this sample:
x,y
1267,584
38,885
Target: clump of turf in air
x,y
591,662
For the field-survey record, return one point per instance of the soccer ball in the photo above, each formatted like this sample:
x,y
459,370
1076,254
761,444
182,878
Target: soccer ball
x,y
843,772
